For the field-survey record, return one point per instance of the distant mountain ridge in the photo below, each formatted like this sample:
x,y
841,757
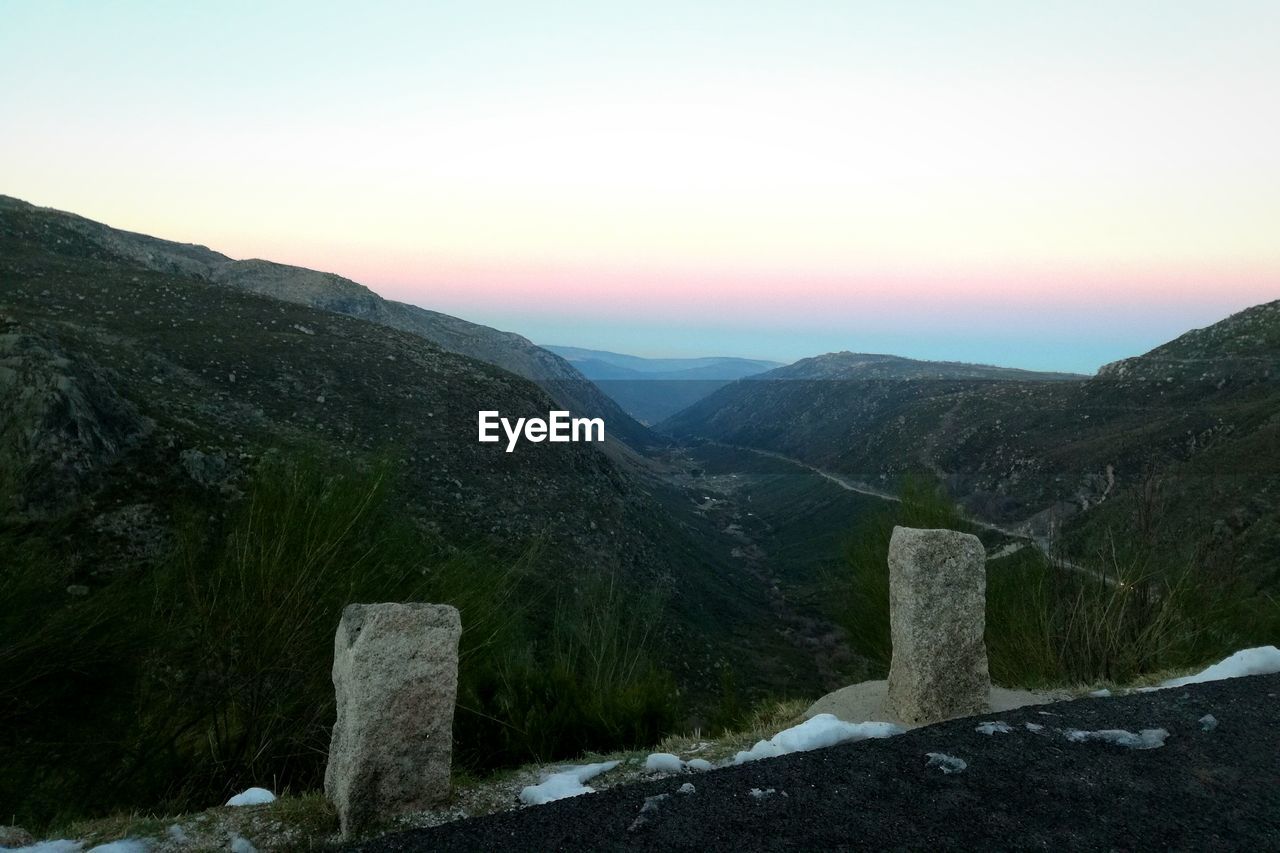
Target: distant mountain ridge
x,y
707,367
651,389
331,292
1192,426
856,365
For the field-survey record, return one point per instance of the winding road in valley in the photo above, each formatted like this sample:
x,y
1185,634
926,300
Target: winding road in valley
x,y
863,489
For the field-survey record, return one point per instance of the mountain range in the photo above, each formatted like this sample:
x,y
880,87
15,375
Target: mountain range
x,y
141,378
1191,428
138,373
333,293
651,389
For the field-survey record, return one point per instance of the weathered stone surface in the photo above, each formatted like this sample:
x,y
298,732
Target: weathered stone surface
x,y
937,614
63,425
395,673
15,836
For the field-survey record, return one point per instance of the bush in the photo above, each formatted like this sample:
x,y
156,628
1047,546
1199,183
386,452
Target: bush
x,y
212,672
863,592
1049,624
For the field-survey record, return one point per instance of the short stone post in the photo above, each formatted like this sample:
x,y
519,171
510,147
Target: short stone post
x,y
395,674
937,615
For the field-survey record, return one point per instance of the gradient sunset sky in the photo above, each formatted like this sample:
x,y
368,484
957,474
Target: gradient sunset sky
x,y
1037,184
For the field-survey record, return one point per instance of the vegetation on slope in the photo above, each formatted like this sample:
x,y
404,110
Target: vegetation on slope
x,y
1051,624
173,688
1069,459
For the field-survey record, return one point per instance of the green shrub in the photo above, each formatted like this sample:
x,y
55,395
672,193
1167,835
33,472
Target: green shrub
x,y
168,691
1049,624
863,592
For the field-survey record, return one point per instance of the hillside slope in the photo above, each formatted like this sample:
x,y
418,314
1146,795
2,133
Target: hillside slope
x,y
133,388
330,292
1191,429
133,393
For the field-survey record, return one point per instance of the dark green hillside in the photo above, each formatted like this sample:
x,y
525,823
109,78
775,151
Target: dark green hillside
x,y
134,386
1198,417
75,236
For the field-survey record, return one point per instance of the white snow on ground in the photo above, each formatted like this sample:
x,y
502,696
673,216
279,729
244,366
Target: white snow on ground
x,y
242,845
1100,694
1264,660
252,797
1208,723
760,795
61,846
699,764
814,733
568,782
686,788
124,845
1034,727
946,763
663,762
999,726
1145,739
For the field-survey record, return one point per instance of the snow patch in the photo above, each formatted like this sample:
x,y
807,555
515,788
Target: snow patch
x,y
819,731
999,726
1145,739
663,762
699,764
62,845
1263,660
946,763
242,845
1208,723
568,782
1100,694
1034,727
252,797
124,845
760,795
686,788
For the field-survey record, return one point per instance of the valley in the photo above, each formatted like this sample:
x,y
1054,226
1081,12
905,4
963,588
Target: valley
x,y
161,397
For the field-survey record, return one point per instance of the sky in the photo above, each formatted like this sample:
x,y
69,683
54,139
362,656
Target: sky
x,y
1044,185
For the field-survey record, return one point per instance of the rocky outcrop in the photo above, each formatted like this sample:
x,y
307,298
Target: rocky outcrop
x,y
395,673
63,423
15,836
339,295
937,616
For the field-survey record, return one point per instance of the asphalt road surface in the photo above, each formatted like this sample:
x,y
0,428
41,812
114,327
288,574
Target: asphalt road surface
x,y
1215,789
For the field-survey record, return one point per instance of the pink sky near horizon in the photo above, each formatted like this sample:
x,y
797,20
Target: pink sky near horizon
x,y
1043,185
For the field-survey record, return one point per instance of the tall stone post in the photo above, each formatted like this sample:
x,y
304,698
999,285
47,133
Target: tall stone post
x,y
937,615
395,674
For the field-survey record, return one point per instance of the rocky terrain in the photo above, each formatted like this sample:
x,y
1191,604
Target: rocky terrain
x,y
333,293
130,380
140,385
1186,437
